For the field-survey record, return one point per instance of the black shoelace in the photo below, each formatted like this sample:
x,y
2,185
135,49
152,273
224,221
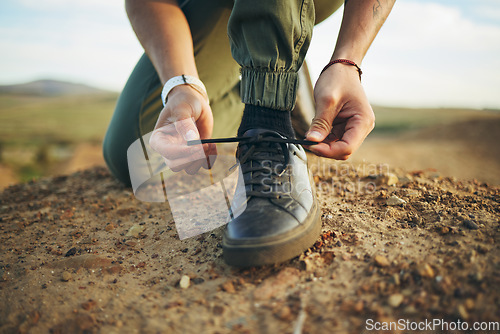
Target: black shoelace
x,y
266,158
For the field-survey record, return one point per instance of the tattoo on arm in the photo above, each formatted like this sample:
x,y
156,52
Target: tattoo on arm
x,y
376,9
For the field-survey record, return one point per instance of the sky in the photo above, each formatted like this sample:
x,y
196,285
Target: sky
x,y
428,54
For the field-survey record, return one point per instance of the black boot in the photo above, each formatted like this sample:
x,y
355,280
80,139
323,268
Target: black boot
x,y
282,217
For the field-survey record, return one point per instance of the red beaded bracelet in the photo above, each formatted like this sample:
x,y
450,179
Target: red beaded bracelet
x,y
343,61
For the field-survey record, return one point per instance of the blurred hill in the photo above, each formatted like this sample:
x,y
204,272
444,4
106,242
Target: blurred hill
x,y
52,111
50,88
46,124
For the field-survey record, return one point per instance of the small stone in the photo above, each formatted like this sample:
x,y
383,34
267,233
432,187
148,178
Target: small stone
x,y
71,252
470,224
198,280
395,300
218,310
285,313
388,179
66,276
89,304
184,282
394,200
426,270
462,312
395,279
359,306
444,230
135,230
328,257
381,261
110,227
228,286
469,304
410,310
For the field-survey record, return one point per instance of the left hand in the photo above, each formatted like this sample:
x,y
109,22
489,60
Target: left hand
x,y
344,116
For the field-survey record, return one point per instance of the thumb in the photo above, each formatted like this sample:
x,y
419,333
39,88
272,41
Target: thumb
x,y
319,129
187,129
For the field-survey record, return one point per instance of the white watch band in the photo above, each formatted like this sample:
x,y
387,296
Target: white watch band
x,y
183,80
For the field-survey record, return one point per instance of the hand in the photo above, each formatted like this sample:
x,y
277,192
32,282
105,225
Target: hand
x,y
343,115
186,116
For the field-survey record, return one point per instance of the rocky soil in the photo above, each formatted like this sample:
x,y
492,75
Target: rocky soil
x,y
79,254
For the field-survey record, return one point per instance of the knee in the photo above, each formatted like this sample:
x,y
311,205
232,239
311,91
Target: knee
x,y
115,156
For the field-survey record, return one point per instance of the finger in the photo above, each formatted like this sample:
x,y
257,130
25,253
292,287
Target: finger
x,y
322,124
355,132
183,163
338,150
205,123
190,168
319,129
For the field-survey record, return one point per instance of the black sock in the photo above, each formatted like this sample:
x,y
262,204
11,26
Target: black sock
x,y
266,118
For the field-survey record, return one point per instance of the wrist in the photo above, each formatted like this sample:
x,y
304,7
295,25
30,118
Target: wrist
x,y
344,62
183,80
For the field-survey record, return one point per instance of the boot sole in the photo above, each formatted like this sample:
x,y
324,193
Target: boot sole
x,y
250,253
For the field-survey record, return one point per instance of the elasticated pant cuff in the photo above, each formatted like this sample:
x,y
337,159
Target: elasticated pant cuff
x,y
275,90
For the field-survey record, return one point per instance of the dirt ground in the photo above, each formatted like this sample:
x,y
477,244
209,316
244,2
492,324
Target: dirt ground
x,y
79,254
465,149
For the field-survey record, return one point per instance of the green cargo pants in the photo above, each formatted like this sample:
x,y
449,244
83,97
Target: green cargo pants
x,y
267,43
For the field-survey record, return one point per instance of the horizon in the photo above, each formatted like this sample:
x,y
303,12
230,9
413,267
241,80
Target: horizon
x,y
425,54
104,90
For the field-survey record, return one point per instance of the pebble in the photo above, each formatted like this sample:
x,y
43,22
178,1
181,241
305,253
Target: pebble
x,y
381,261
218,310
135,230
359,306
405,180
71,252
285,313
228,286
395,279
410,310
184,282
470,224
110,227
469,304
426,271
394,200
66,276
462,312
388,179
395,300
89,304
198,280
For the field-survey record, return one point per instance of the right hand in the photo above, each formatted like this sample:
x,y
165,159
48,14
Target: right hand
x,y
186,116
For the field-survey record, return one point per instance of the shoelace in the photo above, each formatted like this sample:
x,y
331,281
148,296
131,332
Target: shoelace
x,y
264,180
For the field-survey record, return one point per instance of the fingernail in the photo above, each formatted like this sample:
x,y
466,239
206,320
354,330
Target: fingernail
x,y
314,135
191,135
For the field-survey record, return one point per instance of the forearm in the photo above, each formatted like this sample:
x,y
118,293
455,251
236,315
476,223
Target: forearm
x,y
360,24
163,31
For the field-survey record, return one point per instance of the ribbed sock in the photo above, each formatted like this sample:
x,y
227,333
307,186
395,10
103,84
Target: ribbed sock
x,y
265,118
